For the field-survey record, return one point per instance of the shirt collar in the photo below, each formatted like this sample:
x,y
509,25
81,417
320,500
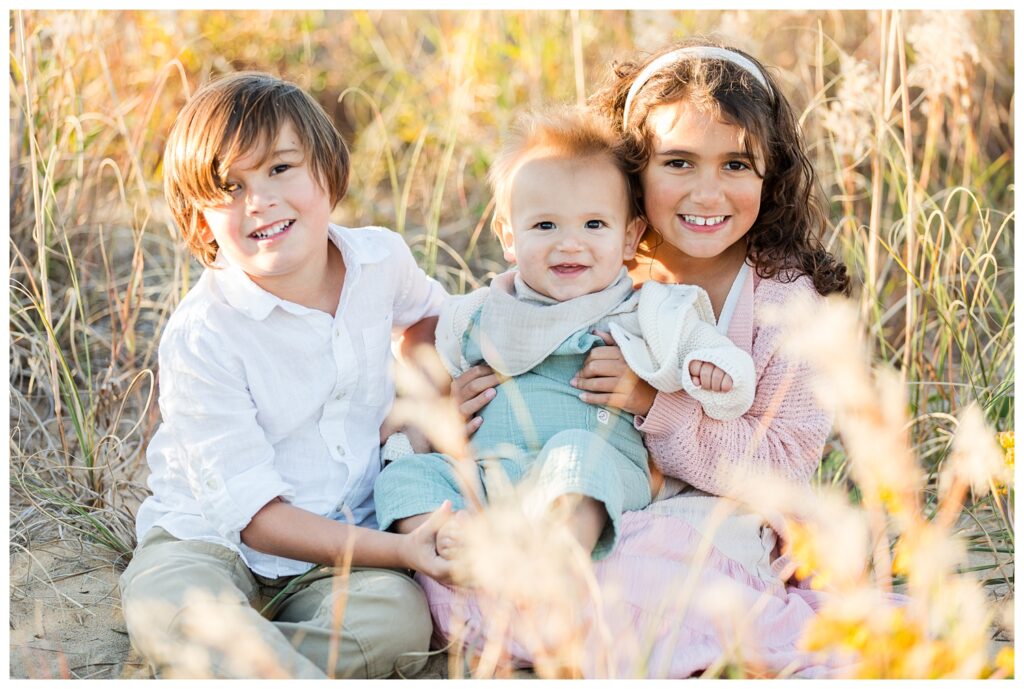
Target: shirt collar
x,y
247,297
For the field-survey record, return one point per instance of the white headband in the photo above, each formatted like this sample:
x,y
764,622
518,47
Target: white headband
x,y
698,51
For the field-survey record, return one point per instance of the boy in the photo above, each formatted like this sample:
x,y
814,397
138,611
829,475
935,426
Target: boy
x,y
565,218
273,386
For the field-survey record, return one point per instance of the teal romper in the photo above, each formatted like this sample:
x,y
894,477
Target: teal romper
x,y
536,424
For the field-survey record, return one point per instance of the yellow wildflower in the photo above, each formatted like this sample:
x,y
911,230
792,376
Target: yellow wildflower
x,y
900,557
1006,442
799,547
1004,659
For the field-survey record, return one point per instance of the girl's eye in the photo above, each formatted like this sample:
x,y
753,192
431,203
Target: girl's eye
x,y
678,163
545,225
594,224
229,187
736,165
278,169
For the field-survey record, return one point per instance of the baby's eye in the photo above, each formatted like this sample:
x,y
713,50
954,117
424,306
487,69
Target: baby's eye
x,y
544,225
595,224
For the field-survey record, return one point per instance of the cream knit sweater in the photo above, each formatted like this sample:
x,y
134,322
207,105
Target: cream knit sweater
x,y
784,431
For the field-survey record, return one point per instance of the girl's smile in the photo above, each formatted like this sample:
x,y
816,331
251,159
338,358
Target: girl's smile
x,y
702,223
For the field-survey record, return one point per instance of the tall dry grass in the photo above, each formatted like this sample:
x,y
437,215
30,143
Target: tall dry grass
x,y
908,115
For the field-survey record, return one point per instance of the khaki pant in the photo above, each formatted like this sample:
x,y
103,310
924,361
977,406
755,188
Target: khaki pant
x,y
192,610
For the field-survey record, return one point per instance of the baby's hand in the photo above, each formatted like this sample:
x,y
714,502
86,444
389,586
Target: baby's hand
x,y
451,535
707,376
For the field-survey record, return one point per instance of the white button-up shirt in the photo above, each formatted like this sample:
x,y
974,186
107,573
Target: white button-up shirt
x,y
261,397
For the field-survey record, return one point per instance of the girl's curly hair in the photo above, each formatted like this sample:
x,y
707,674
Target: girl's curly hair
x,y
785,240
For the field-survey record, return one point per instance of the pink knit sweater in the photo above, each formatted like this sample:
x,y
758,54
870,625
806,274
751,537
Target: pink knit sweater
x,y
784,431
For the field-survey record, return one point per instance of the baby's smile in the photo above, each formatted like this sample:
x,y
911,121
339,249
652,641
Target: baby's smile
x,y
568,269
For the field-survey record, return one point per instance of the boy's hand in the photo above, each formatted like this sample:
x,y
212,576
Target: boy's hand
x,y
450,535
421,551
472,391
707,376
419,334
610,382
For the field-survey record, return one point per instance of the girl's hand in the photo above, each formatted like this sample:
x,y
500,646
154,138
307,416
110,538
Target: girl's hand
x,y
609,382
420,549
472,391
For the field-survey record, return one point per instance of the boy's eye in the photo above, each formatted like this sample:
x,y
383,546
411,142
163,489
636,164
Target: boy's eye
x,y
544,225
595,224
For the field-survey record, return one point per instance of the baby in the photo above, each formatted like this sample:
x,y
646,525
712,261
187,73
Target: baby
x,y
565,217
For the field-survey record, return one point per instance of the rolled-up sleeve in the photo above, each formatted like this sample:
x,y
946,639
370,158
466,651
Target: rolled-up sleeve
x,y
416,295
204,399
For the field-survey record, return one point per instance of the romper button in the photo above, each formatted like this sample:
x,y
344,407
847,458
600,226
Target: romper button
x,y
603,415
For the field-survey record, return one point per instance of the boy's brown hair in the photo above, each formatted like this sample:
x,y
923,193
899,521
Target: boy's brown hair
x,y
569,132
230,118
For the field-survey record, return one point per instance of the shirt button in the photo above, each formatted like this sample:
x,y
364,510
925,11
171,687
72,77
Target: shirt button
x,y
341,450
211,483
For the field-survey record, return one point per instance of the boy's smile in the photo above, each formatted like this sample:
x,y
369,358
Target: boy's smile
x,y
569,229
273,231
275,225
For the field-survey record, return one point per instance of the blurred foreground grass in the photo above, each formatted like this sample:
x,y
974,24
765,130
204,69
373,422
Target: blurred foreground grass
x,y
909,117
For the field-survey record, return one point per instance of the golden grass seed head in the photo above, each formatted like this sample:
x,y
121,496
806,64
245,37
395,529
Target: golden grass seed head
x,y
976,457
945,54
849,116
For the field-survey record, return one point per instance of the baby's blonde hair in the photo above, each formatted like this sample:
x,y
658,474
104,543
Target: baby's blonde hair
x,y
230,118
567,132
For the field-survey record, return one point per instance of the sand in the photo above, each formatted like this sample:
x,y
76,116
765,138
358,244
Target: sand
x,y
66,622
66,618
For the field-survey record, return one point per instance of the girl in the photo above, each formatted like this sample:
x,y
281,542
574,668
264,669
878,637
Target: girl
x,y
727,195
